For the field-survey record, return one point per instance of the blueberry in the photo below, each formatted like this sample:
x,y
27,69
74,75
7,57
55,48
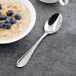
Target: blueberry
x,y
1,24
0,6
17,16
9,17
7,25
7,21
3,17
13,21
10,12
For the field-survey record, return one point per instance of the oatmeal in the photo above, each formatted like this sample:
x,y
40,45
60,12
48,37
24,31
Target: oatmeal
x,y
20,22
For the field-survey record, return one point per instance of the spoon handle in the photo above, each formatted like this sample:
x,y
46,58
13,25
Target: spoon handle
x,y
26,57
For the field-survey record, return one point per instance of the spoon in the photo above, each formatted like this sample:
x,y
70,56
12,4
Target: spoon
x,y
52,25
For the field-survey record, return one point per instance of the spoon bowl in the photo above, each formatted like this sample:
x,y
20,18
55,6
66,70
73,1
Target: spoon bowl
x,y
53,24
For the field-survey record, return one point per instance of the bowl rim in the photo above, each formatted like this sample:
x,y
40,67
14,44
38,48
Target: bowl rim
x,y
32,10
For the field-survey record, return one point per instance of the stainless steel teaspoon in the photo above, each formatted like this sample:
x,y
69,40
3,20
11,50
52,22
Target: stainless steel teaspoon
x,y
52,25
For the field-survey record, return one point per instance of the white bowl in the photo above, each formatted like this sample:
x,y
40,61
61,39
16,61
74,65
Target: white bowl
x,y
31,8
